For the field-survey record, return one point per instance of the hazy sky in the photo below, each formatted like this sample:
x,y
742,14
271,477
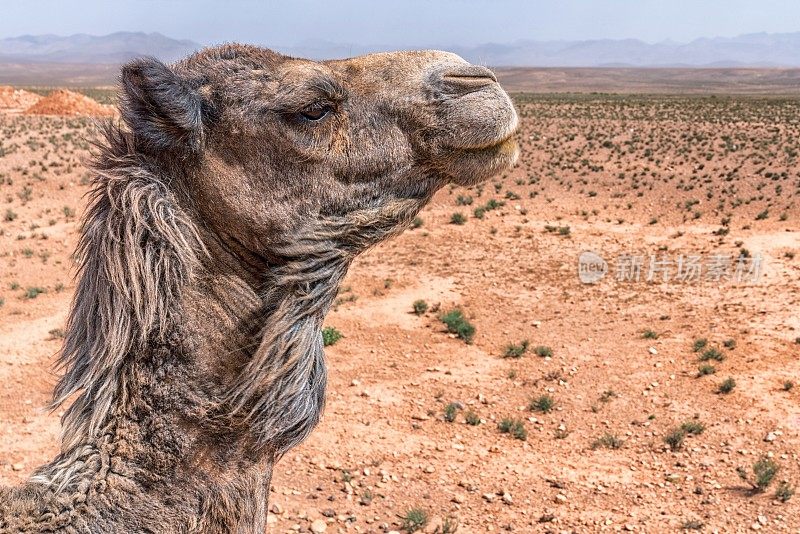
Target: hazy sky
x,y
402,22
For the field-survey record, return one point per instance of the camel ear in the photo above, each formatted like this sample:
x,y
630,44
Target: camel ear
x,y
164,111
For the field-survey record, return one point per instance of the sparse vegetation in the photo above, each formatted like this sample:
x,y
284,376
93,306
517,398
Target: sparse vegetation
x,y
699,344
451,411
649,334
458,324
472,418
516,351
330,336
763,473
420,307
706,369
607,441
726,386
784,492
457,218
33,292
712,354
514,427
543,404
413,520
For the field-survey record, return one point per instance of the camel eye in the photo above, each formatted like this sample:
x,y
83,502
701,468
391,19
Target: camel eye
x,y
315,112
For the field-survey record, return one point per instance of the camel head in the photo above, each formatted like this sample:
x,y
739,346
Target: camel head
x,y
271,147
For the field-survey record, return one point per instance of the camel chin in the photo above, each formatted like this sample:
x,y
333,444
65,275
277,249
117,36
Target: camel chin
x,y
472,167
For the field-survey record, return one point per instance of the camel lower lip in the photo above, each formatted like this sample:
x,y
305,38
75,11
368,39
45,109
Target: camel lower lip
x,y
485,146
490,147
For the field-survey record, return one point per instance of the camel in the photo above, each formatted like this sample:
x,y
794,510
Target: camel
x,y
226,207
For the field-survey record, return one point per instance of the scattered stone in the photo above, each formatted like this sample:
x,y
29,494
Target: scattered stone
x,y
507,498
489,497
18,467
318,526
561,498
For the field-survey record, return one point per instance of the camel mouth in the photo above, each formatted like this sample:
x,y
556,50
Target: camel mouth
x,y
489,145
502,137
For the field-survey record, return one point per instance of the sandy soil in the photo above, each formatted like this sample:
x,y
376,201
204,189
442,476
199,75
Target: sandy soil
x,y
618,176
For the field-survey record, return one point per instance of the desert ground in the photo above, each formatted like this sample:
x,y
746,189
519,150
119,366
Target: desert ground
x,y
659,398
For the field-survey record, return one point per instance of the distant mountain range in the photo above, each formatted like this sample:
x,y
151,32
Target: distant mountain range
x,y
114,48
751,50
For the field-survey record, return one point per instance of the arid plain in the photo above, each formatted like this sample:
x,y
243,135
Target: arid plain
x,y
661,397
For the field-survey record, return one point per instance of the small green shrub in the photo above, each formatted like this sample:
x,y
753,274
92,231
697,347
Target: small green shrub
x,y
330,336
458,218
543,404
699,344
472,418
675,438
33,292
764,471
726,386
458,324
694,428
649,334
607,441
543,351
415,519
516,351
784,492
451,411
706,369
420,307
514,427
712,354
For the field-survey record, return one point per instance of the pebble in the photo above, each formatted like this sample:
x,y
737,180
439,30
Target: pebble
x,y
489,497
561,498
17,467
318,526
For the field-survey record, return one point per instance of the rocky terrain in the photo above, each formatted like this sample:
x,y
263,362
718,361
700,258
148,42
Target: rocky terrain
x,y
477,382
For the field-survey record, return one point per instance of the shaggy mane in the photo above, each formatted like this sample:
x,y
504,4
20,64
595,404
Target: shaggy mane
x,y
136,251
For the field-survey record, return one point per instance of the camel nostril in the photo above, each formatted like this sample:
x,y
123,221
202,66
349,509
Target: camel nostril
x,y
468,77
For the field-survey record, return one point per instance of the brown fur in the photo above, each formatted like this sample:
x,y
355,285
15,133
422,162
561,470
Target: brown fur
x,y
223,216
